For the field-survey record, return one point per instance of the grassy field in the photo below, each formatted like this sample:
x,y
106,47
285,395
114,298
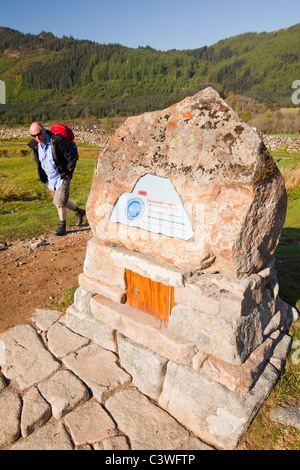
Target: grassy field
x,y
26,208
26,211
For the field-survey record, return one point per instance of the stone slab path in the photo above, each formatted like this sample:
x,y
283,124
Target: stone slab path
x,y
60,391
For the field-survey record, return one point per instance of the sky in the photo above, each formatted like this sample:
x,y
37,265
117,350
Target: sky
x,y
161,24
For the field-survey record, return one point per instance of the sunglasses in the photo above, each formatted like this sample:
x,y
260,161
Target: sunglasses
x,y
36,135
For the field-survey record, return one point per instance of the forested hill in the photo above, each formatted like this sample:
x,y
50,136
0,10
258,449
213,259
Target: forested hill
x,y
42,70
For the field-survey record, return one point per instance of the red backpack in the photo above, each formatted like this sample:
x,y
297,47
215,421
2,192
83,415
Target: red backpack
x,y
65,132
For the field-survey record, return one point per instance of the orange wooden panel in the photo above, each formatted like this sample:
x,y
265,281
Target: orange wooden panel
x,y
149,296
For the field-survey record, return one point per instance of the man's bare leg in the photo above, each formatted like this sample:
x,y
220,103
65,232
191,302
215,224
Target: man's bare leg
x,y
62,214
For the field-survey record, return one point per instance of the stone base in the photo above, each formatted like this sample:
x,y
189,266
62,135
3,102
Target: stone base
x,y
194,396
214,363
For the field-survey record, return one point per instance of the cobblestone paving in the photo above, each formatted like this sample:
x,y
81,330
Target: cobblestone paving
x,y
60,391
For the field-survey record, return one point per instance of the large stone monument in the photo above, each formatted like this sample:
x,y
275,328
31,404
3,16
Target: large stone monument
x,y
186,210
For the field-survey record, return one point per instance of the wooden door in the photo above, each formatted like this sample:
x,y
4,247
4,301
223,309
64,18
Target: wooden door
x,y
151,297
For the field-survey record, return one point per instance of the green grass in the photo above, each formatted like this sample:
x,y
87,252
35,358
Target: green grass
x,y
265,434
288,251
287,161
66,300
26,208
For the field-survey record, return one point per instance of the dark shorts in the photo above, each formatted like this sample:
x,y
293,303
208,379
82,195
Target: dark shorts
x,y
61,196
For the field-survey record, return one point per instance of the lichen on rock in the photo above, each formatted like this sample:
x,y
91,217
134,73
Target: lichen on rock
x,y
228,182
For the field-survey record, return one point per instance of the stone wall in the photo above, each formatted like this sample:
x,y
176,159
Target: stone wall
x,y
277,143
93,135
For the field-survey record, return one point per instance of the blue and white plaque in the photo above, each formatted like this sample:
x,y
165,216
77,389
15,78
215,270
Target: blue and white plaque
x,y
154,205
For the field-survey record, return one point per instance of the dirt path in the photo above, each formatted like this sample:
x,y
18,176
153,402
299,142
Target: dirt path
x,y
35,272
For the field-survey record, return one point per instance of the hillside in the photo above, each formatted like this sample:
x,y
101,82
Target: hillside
x,y
103,80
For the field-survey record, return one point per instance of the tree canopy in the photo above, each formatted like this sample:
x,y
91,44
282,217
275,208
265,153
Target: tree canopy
x,y
42,70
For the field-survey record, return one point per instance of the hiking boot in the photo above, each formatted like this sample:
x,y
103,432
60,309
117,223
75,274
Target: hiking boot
x,y
80,213
61,229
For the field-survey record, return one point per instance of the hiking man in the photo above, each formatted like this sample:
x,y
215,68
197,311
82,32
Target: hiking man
x,y
56,161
